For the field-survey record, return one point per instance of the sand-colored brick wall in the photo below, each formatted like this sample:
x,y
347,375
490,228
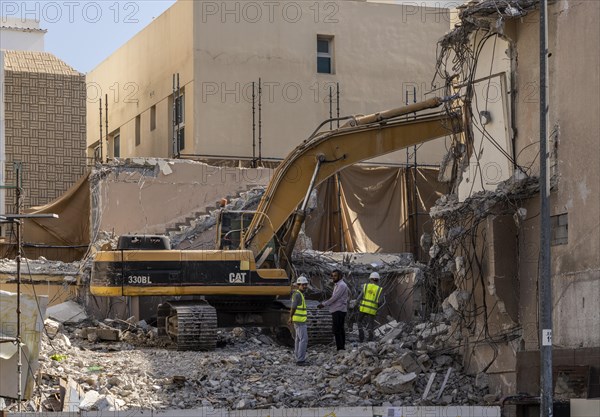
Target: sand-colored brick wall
x,y
45,130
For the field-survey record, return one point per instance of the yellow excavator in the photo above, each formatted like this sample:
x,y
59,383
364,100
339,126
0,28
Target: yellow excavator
x,y
247,280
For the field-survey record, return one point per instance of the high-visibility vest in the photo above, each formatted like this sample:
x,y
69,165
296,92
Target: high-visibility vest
x,y
370,299
300,313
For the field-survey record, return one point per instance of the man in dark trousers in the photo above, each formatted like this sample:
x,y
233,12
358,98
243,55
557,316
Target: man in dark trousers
x,y
369,301
338,307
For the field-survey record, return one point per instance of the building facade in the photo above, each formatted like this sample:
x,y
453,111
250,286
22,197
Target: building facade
x,y
43,115
376,55
494,54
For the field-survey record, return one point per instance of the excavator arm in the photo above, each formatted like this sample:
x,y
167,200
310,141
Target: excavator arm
x,y
322,155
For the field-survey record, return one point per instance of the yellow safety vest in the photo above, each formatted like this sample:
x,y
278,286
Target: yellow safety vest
x,y
300,313
370,299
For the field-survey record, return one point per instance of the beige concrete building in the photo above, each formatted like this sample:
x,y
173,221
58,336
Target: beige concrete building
x,y
43,126
497,293
380,54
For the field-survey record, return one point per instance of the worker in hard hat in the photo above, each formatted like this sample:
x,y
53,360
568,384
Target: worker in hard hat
x,y
298,318
369,301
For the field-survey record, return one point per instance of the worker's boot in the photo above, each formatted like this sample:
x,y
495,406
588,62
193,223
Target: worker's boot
x,y
361,335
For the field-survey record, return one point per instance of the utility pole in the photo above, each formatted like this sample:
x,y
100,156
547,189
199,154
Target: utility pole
x,y
545,277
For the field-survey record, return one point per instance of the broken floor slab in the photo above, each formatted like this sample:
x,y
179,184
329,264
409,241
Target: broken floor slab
x,y
67,312
419,411
185,188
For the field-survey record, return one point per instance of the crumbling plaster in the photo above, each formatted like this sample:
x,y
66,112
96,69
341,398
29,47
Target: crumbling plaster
x,y
156,194
573,130
574,107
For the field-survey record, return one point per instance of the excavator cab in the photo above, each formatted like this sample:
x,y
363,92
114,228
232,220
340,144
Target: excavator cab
x,y
231,225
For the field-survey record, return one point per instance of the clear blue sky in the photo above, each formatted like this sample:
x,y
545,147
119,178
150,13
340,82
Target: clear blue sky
x,y
84,33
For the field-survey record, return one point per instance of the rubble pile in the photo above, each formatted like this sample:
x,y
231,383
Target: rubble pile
x,y
42,266
116,365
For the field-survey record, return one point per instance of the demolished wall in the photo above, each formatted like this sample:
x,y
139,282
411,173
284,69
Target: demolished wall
x,y
574,199
158,193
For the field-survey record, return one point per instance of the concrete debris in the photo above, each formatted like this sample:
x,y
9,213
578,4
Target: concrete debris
x,y
251,371
51,328
40,266
394,381
67,312
480,204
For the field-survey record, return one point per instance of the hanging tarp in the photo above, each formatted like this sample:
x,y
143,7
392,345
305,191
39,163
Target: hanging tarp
x,y
377,209
66,238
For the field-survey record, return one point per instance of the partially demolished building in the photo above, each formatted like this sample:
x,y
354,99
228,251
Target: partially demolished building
x,y
478,278
487,232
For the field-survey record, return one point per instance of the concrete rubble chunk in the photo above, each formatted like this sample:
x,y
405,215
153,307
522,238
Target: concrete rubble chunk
x,y
67,312
434,330
384,329
391,336
89,399
482,380
408,362
394,381
52,327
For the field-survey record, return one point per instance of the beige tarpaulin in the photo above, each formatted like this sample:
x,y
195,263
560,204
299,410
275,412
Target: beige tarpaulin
x,y
377,209
69,234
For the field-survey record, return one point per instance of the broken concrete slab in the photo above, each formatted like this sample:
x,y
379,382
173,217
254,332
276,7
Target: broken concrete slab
x,y
52,327
394,381
409,363
67,312
391,336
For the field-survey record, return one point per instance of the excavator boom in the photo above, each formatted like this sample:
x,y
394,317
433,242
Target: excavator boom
x,y
321,156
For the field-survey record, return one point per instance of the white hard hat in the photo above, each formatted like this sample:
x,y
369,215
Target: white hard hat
x,y
301,280
374,275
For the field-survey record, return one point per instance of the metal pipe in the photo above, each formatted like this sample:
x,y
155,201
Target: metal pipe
x,y
106,121
253,126
330,109
340,223
400,111
416,205
101,135
337,101
291,236
174,132
19,253
259,121
180,107
320,159
545,287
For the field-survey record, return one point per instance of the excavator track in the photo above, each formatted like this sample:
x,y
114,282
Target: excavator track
x,y
190,325
319,326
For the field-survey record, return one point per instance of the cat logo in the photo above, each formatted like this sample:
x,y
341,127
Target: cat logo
x,y
237,278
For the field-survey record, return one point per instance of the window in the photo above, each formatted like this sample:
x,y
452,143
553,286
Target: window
x,y
138,128
117,146
181,138
325,54
152,118
180,121
97,154
560,229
